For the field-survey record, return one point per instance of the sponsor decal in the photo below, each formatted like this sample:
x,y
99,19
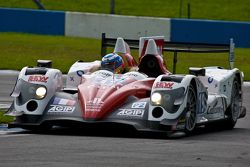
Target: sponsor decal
x,y
72,79
131,112
95,101
79,73
104,73
168,85
66,102
94,105
93,108
210,80
61,109
139,105
132,74
38,78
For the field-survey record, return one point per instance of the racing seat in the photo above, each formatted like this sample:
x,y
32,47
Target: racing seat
x,y
151,63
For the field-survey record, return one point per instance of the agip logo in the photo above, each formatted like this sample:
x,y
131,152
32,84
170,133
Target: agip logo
x,y
61,109
131,112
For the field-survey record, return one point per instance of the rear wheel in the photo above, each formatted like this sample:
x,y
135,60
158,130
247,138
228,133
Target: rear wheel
x,y
190,110
233,110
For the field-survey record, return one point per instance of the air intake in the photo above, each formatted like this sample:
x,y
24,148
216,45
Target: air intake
x,y
44,63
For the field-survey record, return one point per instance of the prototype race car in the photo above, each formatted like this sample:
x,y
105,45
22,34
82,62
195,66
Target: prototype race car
x,y
148,99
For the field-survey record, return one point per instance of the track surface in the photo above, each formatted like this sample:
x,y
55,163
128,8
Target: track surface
x,y
64,147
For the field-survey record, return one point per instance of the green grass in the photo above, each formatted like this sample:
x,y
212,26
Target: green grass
x,y
19,50
200,9
186,60
5,119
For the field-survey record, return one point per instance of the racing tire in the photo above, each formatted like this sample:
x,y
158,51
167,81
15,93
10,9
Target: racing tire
x,y
233,110
190,118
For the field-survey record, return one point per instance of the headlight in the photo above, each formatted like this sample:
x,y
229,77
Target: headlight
x,y
156,98
41,92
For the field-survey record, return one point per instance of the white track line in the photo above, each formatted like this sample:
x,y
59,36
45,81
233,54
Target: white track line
x,y
5,132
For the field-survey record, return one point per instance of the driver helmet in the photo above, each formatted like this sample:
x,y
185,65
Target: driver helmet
x,y
113,62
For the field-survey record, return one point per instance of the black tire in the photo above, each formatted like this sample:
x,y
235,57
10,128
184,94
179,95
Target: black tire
x,y
233,110
191,110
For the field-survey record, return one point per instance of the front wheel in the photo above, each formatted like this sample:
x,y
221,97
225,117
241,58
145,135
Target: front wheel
x,y
190,110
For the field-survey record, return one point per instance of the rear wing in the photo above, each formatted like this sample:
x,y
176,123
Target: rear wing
x,y
176,47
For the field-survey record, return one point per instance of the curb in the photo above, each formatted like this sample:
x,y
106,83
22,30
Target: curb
x,y
9,72
247,84
5,107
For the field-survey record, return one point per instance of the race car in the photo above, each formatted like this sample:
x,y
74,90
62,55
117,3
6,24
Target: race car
x,y
149,99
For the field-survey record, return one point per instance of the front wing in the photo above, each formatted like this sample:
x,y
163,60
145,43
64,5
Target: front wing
x,y
133,114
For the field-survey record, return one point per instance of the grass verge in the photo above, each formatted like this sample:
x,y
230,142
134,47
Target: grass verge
x,y
5,119
19,50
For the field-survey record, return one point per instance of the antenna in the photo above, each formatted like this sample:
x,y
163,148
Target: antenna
x,y
231,54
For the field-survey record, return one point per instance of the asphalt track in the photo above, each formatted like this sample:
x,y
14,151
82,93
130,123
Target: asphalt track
x,y
66,147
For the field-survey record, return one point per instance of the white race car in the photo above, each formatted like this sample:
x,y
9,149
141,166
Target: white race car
x,y
149,99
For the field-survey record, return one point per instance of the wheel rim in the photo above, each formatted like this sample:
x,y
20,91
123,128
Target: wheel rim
x,y
191,110
235,104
